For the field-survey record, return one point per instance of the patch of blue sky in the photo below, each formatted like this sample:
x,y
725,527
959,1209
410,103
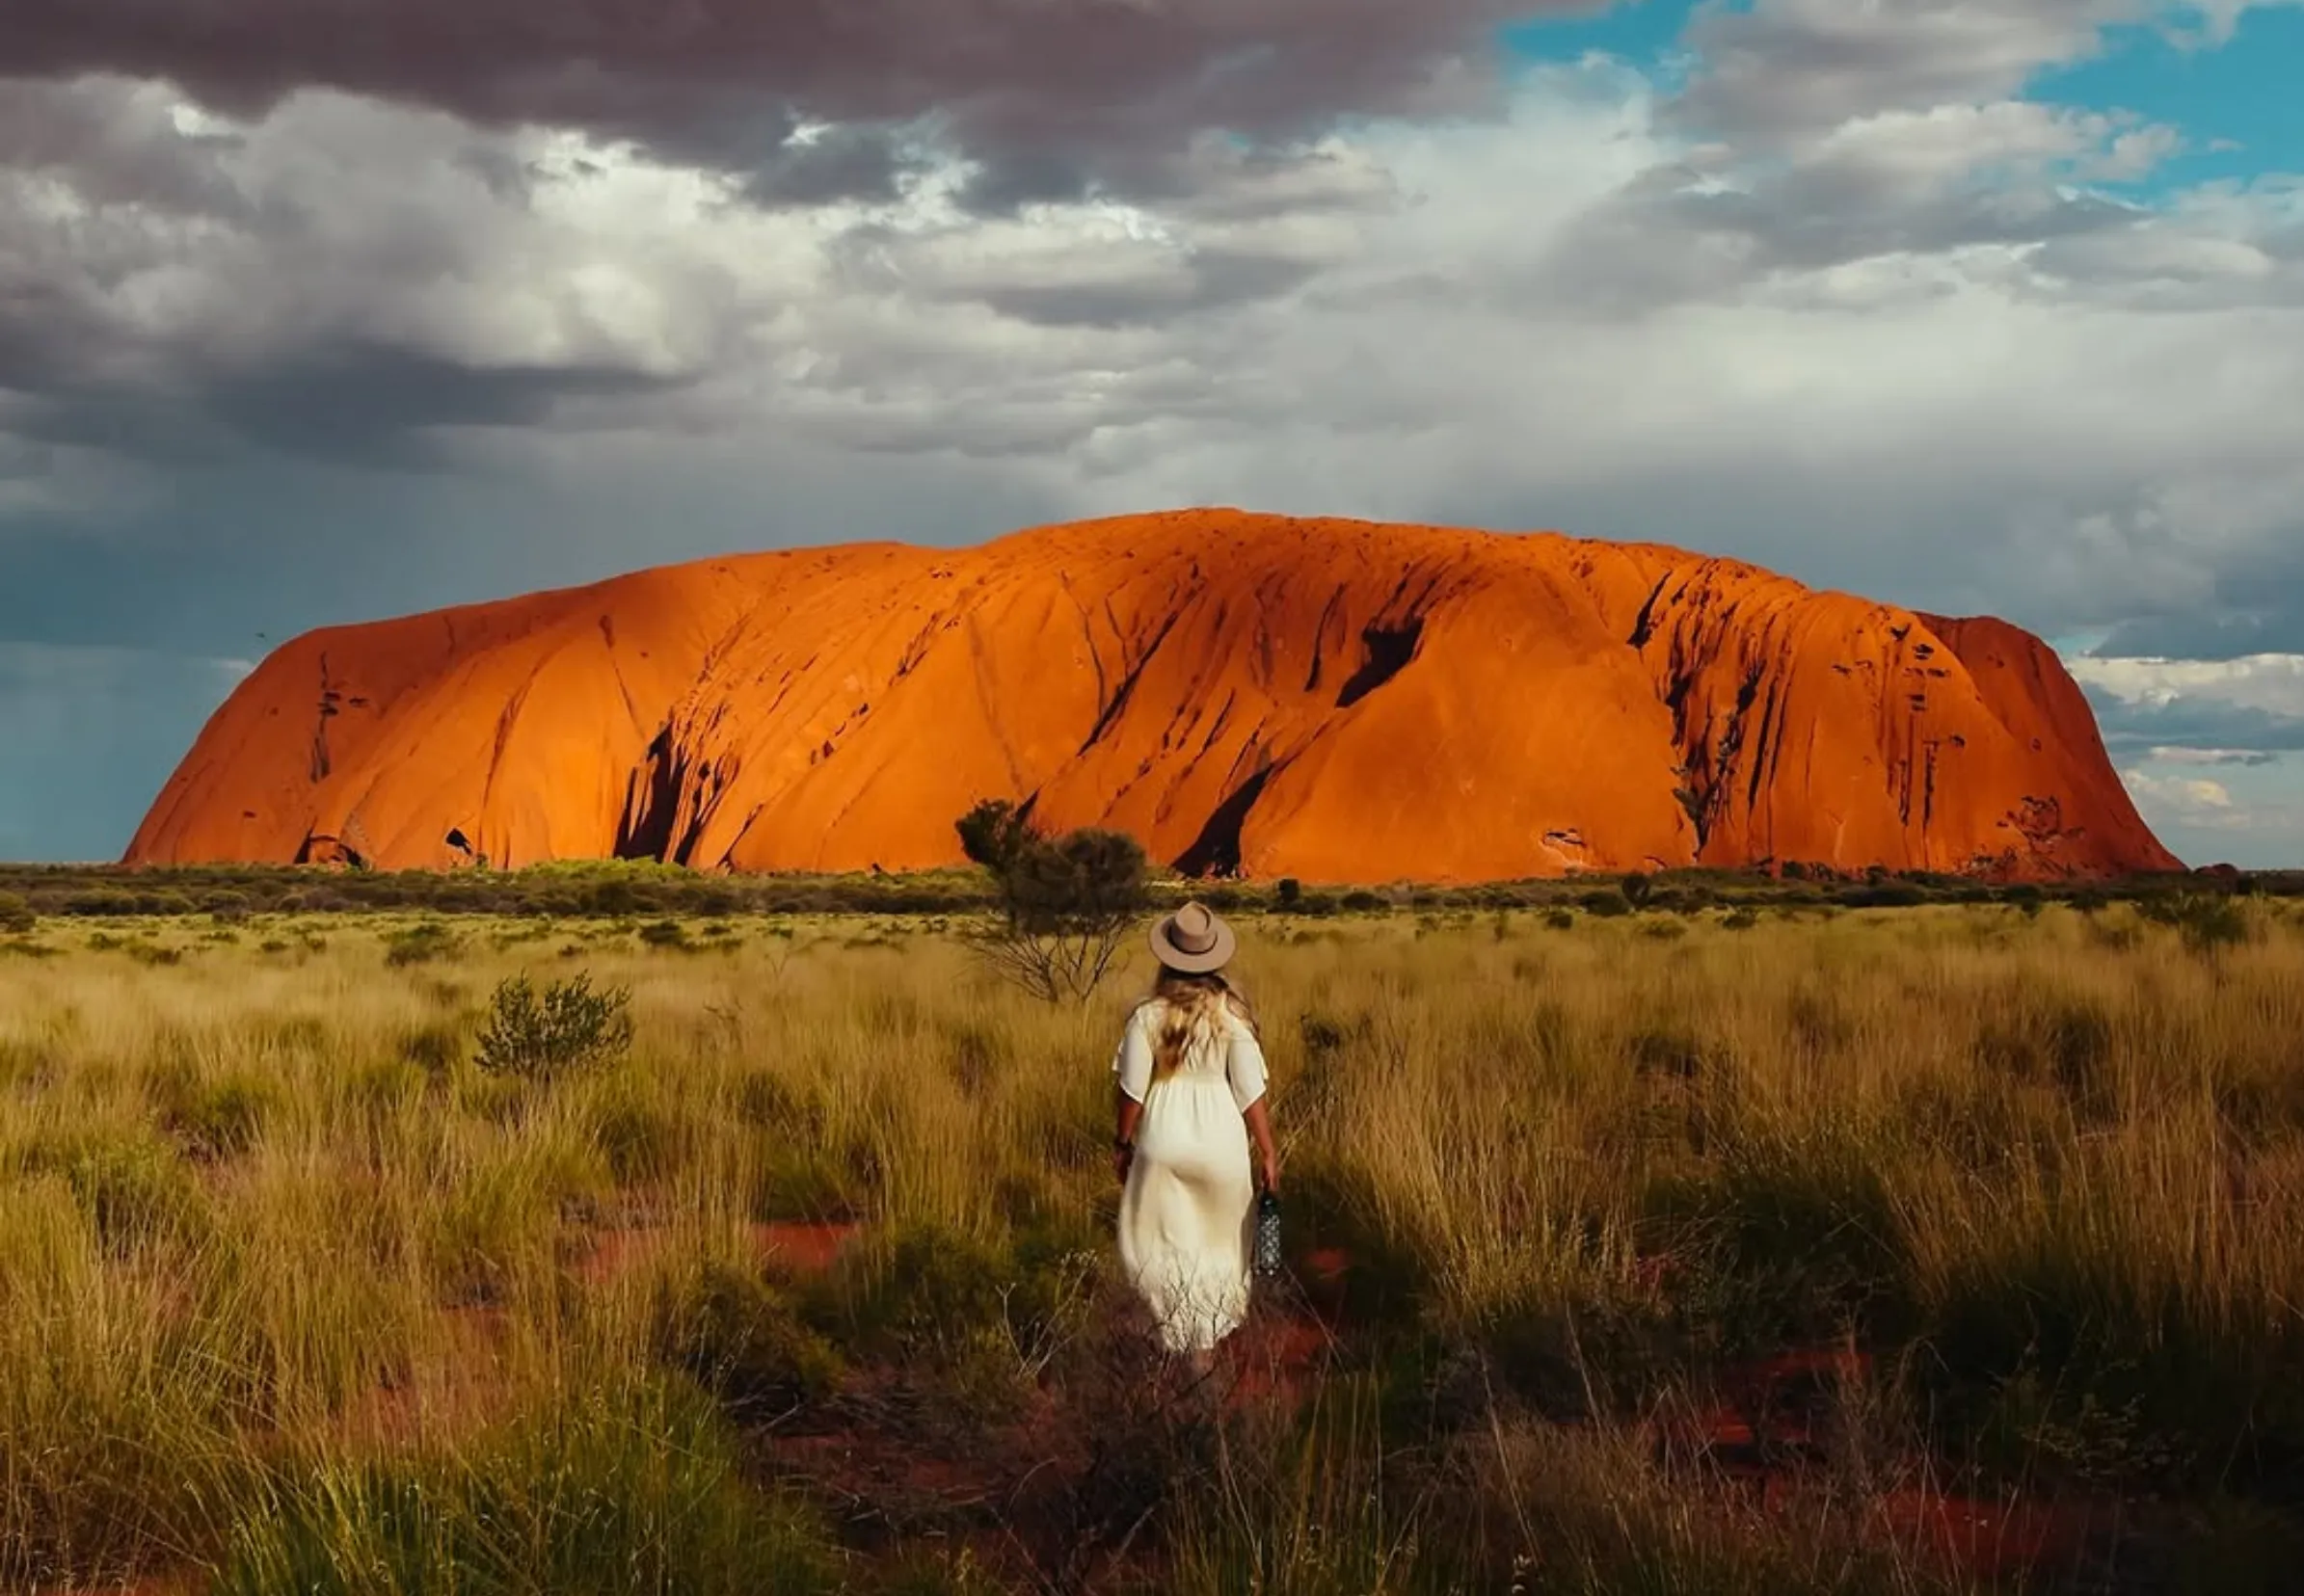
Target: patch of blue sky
x,y
2239,103
1641,34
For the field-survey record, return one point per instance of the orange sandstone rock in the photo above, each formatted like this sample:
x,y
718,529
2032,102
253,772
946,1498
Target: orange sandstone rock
x,y
1337,700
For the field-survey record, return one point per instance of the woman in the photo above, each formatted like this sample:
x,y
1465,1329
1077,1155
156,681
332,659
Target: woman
x,y
1191,1100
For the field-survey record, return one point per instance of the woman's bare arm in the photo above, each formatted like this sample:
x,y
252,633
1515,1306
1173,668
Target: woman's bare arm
x,y
1268,1156
1128,1111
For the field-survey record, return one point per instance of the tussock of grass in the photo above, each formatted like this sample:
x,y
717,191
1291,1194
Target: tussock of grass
x,y
631,1487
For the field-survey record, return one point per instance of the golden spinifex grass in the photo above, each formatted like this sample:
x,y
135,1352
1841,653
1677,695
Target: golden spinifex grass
x,y
293,1296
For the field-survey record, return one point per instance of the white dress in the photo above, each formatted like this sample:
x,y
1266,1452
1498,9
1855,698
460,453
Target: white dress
x,y
1187,1211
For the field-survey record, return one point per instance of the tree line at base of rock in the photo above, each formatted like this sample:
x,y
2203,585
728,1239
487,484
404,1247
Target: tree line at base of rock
x,y
617,888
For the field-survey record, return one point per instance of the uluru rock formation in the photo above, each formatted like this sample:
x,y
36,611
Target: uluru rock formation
x,y
1337,700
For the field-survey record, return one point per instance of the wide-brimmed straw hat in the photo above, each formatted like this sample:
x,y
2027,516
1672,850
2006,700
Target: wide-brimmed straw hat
x,y
1194,941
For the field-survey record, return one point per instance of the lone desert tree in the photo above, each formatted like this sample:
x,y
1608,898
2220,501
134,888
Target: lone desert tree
x,y
1064,904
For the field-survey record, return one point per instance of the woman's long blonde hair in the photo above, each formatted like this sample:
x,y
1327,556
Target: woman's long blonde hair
x,y
1193,1003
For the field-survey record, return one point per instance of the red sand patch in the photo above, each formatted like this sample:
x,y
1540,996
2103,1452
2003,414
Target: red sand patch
x,y
1276,1359
1992,1540
809,1247
806,1247
618,1251
1765,1436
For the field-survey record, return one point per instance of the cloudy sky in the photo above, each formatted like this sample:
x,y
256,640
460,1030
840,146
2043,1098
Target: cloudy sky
x,y
313,314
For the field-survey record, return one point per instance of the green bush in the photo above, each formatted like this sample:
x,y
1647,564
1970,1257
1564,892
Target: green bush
x,y
568,1027
2208,922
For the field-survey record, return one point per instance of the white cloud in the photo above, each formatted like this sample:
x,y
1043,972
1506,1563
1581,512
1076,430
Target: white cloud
x,y
2255,818
2187,796
2269,683
2209,756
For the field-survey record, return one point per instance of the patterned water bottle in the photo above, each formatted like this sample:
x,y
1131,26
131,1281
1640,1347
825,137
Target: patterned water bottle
x,y
1267,1234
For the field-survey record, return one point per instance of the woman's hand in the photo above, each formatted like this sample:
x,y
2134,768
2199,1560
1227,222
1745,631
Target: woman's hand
x,y
1122,1157
1268,1170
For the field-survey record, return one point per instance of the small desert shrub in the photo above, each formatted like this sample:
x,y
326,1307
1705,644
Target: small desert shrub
x,y
434,1047
744,1341
978,1054
1324,1036
667,934
2068,1044
2207,922
975,1318
1802,1229
496,1223
134,1188
568,1027
767,1099
15,915
634,1133
218,1119
420,944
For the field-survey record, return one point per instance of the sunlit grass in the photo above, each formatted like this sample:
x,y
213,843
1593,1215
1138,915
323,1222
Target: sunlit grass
x,y
277,1259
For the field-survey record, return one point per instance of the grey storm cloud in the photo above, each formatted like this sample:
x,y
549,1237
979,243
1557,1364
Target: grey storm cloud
x,y
1789,67
2134,728
1049,96
2214,635
2254,605
113,147
1667,240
